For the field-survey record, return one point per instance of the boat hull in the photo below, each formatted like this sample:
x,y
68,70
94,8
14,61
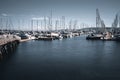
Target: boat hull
x,y
92,38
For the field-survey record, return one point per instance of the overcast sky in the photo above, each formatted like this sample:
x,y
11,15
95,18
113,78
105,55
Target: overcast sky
x,y
82,10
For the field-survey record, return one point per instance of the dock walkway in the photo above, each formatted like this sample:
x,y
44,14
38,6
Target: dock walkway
x,y
4,39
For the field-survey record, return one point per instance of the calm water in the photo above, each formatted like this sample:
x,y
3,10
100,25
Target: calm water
x,y
67,59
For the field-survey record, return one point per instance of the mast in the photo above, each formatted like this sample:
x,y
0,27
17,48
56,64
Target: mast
x,y
10,24
75,24
119,21
115,22
70,25
37,25
50,21
63,22
41,25
100,25
103,26
32,25
56,25
23,24
19,25
1,22
98,20
6,23
45,23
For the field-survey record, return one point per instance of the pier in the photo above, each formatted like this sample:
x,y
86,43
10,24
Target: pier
x,y
8,43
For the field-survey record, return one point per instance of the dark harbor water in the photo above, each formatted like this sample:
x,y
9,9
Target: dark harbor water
x,y
67,59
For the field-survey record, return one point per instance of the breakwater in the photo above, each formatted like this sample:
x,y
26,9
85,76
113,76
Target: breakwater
x,y
8,43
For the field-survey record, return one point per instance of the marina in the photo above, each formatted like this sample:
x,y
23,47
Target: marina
x,y
59,40
48,33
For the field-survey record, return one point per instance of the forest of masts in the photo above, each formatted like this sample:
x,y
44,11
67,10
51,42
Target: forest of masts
x,y
48,23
